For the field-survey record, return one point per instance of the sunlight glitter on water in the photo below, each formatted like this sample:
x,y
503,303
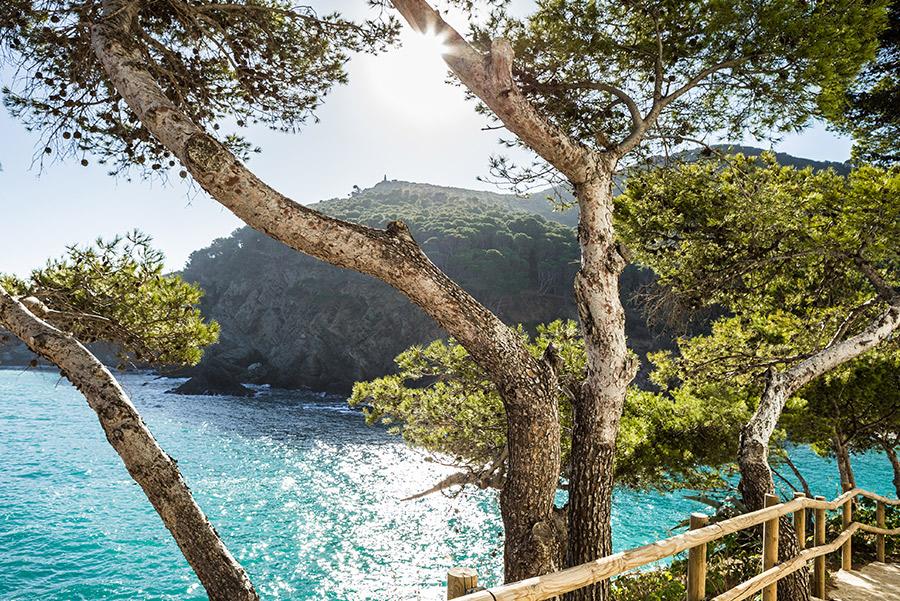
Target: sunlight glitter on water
x,y
304,494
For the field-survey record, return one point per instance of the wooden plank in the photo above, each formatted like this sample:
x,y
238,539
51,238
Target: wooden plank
x,y
460,581
877,530
751,587
770,549
800,523
819,574
696,575
879,538
847,549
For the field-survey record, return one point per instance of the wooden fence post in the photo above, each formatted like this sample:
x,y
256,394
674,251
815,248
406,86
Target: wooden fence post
x,y
770,549
879,538
819,571
847,548
460,581
696,573
800,523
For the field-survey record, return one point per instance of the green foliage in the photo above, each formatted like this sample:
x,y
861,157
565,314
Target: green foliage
x,y
784,250
116,292
678,440
760,66
480,239
242,62
650,585
868,109
441,401
755,236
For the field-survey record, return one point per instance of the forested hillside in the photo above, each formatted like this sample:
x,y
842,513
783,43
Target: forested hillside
x,y
290,320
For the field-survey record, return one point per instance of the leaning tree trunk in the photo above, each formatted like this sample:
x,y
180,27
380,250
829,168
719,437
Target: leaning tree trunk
x,y
598,407
157,473
527,385
895,463
756,479
489,77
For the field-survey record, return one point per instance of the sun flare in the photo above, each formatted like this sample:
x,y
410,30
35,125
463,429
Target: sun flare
x,y
412,79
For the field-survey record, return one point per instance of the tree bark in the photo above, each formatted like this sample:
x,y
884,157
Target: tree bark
x,y
527,385
895,464
157,473
598,408
845,468
753,453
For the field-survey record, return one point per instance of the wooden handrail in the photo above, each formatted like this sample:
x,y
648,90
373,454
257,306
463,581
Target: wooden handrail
x,y
552,585
758,582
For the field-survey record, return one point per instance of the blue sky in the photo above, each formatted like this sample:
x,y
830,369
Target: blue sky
x,y
396,117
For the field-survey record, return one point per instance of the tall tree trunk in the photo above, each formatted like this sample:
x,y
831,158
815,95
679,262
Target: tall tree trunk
x,y
157,473
609,370
845,468
895,463
598,408
528,386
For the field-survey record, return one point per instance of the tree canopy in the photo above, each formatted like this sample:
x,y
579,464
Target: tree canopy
x,y
867,110
441,401
115,291
804,263
609,73
752,235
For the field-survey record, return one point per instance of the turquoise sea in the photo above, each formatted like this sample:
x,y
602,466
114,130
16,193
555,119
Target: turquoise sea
x,y
304,494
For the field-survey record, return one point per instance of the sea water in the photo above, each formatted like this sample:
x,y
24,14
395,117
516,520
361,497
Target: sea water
x,y
304,494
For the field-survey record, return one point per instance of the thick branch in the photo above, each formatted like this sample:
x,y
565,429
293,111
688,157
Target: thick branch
x,y
756,478
390,255
526,384
157,473
885,291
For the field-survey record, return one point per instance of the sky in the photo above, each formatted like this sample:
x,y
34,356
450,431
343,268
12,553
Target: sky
x,y
397,118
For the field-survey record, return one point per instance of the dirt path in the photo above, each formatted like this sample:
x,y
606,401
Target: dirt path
x,y
874,582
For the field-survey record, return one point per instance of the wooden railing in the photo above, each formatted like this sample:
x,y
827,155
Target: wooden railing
x,y
461,582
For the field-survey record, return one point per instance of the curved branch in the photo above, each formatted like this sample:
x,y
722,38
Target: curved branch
x,y
885,291
390,255
526,384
